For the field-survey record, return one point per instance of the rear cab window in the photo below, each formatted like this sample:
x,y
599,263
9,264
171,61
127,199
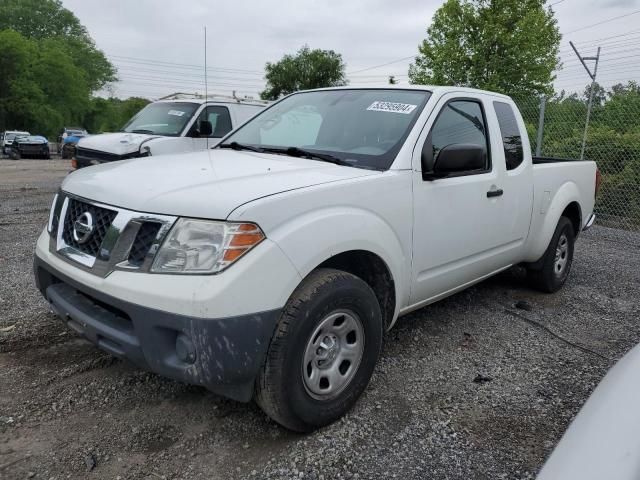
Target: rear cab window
x,y
511,136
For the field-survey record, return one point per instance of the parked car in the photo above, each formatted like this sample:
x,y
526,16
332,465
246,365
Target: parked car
x,y
272,264
68,139
8,137
178,123
602,441
29,146
69,145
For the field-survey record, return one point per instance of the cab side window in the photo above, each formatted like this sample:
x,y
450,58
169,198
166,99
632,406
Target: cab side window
x,y
459,122
219,118
511,138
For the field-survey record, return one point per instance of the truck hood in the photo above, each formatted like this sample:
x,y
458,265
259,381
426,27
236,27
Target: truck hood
x,y
207,184
120,143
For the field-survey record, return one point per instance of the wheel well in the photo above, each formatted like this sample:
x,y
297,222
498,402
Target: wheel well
x,y
572,212
374,271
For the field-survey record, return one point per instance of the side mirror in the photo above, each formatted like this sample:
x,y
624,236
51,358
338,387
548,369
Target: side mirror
x,y
205,129
457,157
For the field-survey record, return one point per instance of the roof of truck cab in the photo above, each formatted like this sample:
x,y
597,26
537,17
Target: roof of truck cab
x,y
431,88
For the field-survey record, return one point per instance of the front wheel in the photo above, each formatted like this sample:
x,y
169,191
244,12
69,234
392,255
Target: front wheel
x,y
323,351
556,261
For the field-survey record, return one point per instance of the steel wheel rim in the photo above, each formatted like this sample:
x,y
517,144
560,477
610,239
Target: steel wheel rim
x,y
562,255
333,354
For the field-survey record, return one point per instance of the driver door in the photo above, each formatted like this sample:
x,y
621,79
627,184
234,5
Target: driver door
x,y
457,223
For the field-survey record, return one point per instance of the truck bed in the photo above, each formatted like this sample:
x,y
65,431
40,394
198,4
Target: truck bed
x,y
541,160
556,183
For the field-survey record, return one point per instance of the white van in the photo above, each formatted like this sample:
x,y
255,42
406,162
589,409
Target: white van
x,y
178,123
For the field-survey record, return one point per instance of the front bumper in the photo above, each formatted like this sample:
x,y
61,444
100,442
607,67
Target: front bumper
x,y
222,354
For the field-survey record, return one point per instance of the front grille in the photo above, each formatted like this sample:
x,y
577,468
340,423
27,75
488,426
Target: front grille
x,y
121,239
55,221
102,219
31,149
142,244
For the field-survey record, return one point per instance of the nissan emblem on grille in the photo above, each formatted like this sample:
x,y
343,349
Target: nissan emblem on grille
x,y
83,227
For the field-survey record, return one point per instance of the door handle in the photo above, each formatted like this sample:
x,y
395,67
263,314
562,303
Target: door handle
x,y
494,193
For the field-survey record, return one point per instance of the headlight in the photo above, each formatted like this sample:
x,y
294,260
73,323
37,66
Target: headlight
x,y
51,210
202,246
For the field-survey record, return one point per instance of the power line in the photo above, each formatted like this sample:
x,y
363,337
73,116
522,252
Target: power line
x,y
603,21
381,65
190,85
183,65
595,41
176,75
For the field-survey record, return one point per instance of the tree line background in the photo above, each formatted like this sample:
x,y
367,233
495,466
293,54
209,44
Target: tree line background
x,y
51,71
613,141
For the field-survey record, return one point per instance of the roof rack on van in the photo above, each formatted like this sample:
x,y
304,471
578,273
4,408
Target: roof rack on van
x,y
226,98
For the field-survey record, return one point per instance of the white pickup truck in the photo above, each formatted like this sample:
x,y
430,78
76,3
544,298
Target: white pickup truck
x,y
269,266
178,123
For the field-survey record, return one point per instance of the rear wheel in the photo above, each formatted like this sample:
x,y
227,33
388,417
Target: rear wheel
x,y
556,261
323,351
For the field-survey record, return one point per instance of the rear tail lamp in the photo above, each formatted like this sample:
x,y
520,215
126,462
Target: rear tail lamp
x,y
598,181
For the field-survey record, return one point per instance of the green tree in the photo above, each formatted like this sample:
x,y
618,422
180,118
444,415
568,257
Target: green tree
x,y
599,94
110,114
48,19
509,46
41,87
613,142
20,93
304,70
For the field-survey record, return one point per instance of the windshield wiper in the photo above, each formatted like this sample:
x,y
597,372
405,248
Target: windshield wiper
x,y
290,151
142,130
241,146
300,152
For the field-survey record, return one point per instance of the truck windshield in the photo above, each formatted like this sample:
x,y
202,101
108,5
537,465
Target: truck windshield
x,y
162,118
361,127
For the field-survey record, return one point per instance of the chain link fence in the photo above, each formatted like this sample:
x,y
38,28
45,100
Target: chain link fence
x,y
556,128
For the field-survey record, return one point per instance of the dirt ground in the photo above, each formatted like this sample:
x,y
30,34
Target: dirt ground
x,y
69,410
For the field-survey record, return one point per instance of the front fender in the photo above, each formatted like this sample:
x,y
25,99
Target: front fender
x,y
310,239
546,216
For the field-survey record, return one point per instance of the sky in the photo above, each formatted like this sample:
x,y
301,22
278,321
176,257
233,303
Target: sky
x,y
158,45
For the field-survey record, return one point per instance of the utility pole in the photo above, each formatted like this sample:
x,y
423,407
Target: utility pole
x,y
593,84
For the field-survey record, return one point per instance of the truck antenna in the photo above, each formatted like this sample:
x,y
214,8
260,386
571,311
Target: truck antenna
x,y
206,89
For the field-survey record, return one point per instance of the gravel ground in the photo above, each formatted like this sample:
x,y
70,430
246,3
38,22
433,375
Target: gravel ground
x,y
471,387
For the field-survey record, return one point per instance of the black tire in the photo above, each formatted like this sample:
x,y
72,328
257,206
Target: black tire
x,y
552,272
281,390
